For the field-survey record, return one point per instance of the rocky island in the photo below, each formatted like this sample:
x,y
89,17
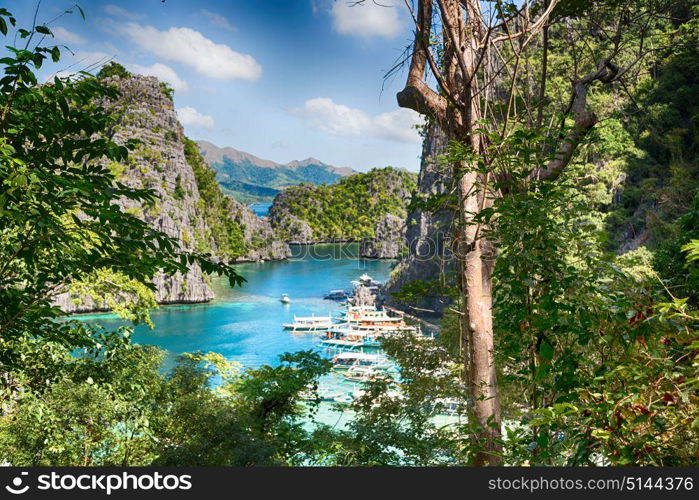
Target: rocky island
x,y
369,208
191,207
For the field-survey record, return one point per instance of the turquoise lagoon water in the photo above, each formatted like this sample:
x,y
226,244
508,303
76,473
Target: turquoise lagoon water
x,y
245,323
261,209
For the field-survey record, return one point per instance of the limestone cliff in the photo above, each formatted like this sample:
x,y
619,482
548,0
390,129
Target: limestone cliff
x,y
159,163
388,241
262,241
428,236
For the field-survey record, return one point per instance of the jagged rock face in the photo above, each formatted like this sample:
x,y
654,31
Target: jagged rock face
x,y
298,231
428,234
389,240
261,239
159,163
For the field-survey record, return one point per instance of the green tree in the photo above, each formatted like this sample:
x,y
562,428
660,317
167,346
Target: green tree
x,y
60,223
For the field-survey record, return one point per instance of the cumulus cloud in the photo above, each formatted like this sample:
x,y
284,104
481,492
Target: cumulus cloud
x,y
398,125
163,73
62,35
188,46
337,119
190,117
217,20
367,19
116,11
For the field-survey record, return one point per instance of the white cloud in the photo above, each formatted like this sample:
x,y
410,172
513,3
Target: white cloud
x,y
188,46
367,19
163,73
398,125
337,119
217,20
190,117
114,10
61,34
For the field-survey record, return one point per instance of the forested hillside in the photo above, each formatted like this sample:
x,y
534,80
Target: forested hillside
x,y
190,205
347,211
553,235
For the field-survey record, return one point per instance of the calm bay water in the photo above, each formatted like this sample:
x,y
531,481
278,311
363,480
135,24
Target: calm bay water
x,y
261,209
245,323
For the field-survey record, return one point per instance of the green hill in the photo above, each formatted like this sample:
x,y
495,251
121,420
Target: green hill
x,y
347,211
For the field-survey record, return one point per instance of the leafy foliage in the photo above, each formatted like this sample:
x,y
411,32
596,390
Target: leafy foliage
x,y
227,234
112,68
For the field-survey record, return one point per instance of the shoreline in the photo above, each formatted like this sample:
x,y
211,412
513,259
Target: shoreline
x,y
333,255
422,321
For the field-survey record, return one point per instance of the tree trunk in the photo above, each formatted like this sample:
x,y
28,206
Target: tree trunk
x,y
476,263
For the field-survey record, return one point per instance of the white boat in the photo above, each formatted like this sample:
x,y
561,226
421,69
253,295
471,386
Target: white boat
x,y
365,374
344,398
285,299
365,280
343,343
378,319
355,311
321,394
354,335
345,360
309,323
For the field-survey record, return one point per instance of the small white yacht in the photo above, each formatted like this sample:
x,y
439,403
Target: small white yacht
x,y
284,299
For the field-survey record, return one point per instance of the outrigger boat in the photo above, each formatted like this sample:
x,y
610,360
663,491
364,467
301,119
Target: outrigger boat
x,y
342,337
321,394
342,342
345,360
309,324
379,318
365,374
353,313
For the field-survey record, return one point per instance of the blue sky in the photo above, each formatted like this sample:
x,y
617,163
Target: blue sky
x,y
279,79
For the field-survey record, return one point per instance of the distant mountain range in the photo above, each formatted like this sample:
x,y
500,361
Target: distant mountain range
x,y
250,179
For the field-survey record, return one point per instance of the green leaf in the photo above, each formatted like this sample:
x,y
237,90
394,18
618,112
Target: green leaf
x,y
601,434
546,351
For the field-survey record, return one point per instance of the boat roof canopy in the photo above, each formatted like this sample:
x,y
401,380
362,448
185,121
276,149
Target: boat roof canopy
x,y
359,355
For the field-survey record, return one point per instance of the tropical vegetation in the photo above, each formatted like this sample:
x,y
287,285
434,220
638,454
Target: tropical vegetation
x,y
348,210
592,271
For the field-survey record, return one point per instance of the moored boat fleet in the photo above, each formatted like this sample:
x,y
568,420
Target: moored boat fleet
x,y
355,336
